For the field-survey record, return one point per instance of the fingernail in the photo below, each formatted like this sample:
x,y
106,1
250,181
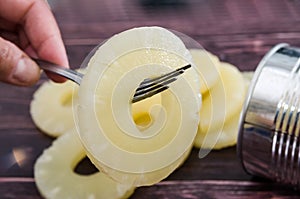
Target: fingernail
x,y
25,72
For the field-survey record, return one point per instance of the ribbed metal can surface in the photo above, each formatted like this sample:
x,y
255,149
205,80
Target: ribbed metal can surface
x,y
268,143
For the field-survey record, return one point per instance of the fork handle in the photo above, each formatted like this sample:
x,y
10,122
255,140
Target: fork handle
x,y
59,70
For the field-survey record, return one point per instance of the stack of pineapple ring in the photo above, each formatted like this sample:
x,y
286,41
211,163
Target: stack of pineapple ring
x,y
223,95
134,144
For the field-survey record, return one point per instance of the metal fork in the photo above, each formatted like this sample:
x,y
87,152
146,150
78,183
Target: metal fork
x,y
147,88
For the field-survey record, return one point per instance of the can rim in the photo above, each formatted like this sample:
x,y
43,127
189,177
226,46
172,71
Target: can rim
x,y
249,95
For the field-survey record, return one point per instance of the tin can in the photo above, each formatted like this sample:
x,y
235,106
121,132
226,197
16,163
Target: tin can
x,y
268,143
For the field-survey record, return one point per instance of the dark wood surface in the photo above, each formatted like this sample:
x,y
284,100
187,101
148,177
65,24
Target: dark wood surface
x,y
239,32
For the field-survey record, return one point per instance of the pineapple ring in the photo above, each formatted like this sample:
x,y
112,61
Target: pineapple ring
x,y
220,104
228,135
233,86
51,107
208,68
112,141
55,177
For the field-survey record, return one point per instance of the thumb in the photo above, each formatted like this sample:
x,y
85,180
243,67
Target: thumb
x,y
15,66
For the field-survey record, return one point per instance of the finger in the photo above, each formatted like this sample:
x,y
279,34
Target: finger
x,y
15,66
40,28
29,50
57,78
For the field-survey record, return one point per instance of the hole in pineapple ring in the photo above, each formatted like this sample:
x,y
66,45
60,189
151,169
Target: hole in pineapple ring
x,y
142,113
153,109
85,167
142,120
145,120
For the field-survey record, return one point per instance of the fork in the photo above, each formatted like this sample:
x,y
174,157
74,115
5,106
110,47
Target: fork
x,y
147,88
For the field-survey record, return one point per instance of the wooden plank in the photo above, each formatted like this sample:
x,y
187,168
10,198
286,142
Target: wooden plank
x,y
231,49
11,188
25,188
107,29
19,150
215,189
193,17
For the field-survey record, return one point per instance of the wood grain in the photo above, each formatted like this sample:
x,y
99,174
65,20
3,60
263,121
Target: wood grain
x,y
206,189
239,32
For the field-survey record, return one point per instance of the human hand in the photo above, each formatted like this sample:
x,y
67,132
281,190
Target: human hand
x,y
28,29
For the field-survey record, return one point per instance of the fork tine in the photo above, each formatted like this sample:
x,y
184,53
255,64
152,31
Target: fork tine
x,y
185,67
149,94
167,74
152,81
158,81
153,86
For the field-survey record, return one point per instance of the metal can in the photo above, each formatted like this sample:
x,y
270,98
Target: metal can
x,y
268,143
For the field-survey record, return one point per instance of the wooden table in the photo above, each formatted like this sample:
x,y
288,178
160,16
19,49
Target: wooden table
x,y
239,32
